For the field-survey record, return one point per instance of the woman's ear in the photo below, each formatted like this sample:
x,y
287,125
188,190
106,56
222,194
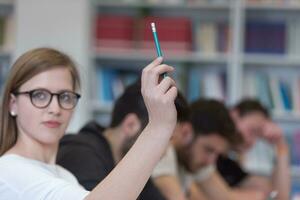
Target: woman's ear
x,y
131,125
13,105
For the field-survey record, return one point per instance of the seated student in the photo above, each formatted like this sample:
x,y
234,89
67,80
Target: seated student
x,y
187,171
261,136
93,153
38,102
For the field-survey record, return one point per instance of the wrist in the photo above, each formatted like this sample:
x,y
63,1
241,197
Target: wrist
x,y
159,130
282,149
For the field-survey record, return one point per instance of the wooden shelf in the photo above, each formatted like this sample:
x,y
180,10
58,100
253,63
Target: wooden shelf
x,y
286,117
169,6
273,7
140,55
272,60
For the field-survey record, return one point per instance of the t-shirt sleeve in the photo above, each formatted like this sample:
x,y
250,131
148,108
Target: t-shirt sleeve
x,y
167,166
84,164
204,173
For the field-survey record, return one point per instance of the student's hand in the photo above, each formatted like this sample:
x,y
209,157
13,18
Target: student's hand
x,y
274,134
159,96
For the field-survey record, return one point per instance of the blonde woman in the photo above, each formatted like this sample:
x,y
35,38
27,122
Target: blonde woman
x,y
39,98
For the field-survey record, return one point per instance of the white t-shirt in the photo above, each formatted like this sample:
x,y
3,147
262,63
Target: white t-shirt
x,y
168,166
24,178
260,159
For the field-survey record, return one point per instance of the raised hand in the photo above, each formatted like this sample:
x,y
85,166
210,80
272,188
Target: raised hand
x,y
159,96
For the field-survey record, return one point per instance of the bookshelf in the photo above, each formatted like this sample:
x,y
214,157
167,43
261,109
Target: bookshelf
x,y
138,56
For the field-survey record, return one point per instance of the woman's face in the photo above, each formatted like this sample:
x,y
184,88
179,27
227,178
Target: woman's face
x,y
43,125
251,127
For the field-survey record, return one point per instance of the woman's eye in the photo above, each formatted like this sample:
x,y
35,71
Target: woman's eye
x,y
41,95
66,97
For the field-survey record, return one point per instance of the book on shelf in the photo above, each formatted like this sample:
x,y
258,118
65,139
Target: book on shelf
x,y
9,33
174,33
4,68
212,37
114,31
194,84
293,42
111,83
278,93
267,37
206,83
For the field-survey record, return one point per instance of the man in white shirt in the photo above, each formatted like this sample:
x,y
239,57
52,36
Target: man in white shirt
x,y
187,171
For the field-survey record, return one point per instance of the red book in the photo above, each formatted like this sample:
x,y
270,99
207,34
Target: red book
x,y
174,33
114,31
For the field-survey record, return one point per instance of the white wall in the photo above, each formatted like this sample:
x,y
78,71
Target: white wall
x,y
62,24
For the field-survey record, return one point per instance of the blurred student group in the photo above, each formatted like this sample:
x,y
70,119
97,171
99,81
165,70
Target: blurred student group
x,y
221,49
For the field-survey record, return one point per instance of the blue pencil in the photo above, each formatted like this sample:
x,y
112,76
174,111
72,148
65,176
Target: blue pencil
x,y
156,41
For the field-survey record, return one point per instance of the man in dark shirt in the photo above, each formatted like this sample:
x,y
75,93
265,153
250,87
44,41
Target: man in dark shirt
x,y
231,171
93,153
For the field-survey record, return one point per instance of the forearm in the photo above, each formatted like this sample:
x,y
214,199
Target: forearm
x,y
128,178
215,188
195,193
281,174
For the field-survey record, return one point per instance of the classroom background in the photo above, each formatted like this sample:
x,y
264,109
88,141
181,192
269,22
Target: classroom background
x,y
224,49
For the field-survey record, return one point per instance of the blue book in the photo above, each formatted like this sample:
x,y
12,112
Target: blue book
x,y
194,85
285,95
263,90
108,76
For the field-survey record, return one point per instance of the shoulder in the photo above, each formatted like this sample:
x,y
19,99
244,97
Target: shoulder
x,y
66,175
17,172
205,173
167,165
29,179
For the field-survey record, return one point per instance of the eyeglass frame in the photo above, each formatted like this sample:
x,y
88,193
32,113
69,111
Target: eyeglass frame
x,y
30,93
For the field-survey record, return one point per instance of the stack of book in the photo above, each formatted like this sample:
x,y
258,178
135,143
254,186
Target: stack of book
x,y
174,33
265,37
114,32
281,94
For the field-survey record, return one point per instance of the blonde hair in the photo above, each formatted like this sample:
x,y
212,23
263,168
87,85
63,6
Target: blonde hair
x,y
27,66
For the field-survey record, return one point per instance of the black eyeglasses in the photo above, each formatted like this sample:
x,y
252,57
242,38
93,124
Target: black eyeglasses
x,y
41,98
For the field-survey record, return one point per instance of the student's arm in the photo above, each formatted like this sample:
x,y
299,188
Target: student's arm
x,y
128,178
281,174
170,187
281,178
256,182
195,193
215,188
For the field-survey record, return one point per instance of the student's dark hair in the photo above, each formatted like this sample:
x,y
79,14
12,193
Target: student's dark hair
x,y
248,106
209,116
182,107
131,101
